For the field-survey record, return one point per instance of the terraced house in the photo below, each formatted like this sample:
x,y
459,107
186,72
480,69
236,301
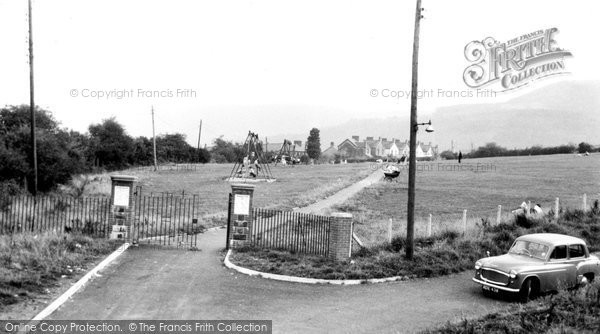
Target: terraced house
x,y
383,148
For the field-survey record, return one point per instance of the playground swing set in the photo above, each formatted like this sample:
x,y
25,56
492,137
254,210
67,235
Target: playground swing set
x,y
253,167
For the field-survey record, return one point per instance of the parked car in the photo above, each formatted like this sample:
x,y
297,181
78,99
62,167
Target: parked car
x,y
537,263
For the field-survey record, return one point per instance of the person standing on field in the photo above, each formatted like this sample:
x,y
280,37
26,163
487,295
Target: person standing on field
x,y
459,156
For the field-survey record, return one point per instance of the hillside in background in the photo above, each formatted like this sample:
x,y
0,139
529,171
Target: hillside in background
x,y
560,113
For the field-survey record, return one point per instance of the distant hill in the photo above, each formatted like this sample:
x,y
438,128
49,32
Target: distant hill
x,y
560,113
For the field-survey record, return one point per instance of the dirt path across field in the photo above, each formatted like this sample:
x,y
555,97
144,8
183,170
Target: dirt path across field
x,y
153,283
342,195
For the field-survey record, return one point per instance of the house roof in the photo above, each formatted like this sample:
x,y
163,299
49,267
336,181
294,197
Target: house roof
x,y
331,150
348,142
273,147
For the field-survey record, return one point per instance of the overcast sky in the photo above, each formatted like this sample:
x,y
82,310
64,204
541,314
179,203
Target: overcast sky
x,y
267,66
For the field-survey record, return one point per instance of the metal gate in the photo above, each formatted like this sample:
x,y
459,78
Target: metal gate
x,y
165,219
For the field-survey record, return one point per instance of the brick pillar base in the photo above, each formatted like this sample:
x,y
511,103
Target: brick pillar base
x,y
340,236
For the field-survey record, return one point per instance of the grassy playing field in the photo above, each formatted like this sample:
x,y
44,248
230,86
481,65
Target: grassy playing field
x,y
444,190
296,186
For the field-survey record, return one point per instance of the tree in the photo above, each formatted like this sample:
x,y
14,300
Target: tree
x,y
448,155
313,144
584,147
60,153
110,146
227,151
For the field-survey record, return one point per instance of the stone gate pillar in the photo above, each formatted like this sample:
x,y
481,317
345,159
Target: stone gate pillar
x,y
340,236
121,206
240,215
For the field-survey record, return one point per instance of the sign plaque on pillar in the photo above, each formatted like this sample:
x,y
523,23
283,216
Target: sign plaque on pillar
x,y
241,204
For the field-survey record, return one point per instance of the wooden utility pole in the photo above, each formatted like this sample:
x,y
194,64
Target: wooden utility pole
x,y
412,161
199,134
32,106
154,141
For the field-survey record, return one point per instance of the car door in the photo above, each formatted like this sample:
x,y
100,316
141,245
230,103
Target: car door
x,y
558,269
577,257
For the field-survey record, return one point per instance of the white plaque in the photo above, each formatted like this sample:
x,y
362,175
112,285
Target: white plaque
x,y
121,196
241,204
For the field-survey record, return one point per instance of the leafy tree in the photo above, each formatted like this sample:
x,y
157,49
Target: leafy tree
x,y
59,153
584,147
110,146
313,144
448,155
227,151
142,151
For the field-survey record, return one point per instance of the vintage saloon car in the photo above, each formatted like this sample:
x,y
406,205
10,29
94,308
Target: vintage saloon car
x,y
537,263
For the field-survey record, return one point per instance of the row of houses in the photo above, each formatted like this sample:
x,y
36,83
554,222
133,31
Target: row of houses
x,y
355,148
378,148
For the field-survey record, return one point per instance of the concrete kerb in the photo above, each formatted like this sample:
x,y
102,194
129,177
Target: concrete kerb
x,y
82,281
305,280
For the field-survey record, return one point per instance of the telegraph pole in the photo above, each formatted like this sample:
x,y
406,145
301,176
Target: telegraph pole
x,y
412,162
32,105
154,141
199,134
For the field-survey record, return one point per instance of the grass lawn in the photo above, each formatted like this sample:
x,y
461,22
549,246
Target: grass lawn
x,y
34,263
445,193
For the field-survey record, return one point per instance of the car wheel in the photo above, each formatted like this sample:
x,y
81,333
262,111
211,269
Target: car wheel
x,y
529,290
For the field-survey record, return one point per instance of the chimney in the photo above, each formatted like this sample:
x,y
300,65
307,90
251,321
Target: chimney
x,y
356,138
331,144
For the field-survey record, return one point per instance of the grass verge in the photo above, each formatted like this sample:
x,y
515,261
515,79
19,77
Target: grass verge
x,y
441,254
571,311
33,263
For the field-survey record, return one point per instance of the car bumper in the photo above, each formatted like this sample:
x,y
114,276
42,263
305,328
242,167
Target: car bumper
x,y
503,288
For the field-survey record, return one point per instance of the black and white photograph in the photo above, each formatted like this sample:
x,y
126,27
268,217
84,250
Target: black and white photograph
x,y
262,166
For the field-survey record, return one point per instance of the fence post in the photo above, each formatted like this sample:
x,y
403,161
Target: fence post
x,y
465,221
556,208
340,237
429,225
499,216
584,202
241,214
390,231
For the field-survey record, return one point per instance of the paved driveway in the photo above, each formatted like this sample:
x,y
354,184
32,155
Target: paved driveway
x,y
146,283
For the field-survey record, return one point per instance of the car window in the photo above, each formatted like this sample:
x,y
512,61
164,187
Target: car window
x,y
530,248
576,251
559,253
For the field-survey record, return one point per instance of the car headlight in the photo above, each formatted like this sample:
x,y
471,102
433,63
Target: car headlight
x,y
477,264
512,274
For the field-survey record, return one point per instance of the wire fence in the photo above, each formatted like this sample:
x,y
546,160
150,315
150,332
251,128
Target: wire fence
x,y
168,167
462,221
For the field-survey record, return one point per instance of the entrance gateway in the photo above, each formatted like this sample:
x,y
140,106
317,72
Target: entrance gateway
x,y
164,219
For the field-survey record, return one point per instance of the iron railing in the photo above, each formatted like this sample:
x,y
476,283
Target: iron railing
x,y
292,231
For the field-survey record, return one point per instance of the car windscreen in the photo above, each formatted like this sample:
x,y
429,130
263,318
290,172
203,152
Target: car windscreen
x,y
529,248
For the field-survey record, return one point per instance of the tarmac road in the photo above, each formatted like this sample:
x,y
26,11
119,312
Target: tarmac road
x,y
153,283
